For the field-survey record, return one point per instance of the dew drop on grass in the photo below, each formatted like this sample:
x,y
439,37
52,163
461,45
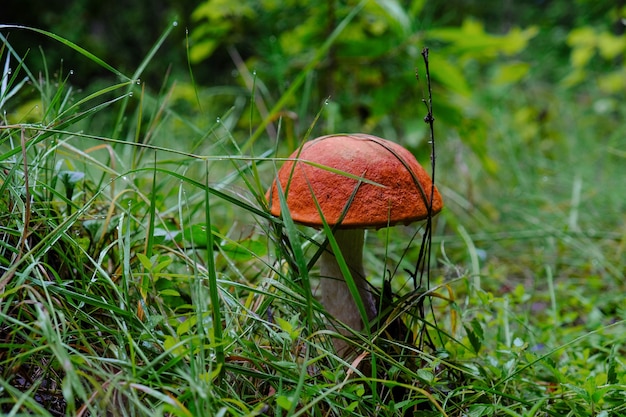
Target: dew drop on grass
x,y
130,94
175,23
71,72
138,81
218,120
254,73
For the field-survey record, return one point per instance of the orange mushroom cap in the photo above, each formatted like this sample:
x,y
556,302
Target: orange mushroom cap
x,y
400,196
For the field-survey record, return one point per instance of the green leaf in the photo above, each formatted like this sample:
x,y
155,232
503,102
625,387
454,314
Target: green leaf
x,y
145,261
186,325
351,407
449,74
202,50
172,343
511,73
196,236
517,39
285,402
480,410
289,328
581,56
169,293
426,376
284,325
244,250
613,82
475,335
582,37
611,46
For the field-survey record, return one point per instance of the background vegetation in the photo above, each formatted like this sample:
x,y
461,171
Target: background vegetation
x,y
140,273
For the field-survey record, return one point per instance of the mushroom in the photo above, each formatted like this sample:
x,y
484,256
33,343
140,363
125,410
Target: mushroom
x,y
387,186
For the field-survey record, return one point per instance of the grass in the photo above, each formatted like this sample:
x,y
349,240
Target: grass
x,y
142,275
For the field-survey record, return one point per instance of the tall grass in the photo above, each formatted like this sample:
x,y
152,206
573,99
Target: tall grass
x,y
141,273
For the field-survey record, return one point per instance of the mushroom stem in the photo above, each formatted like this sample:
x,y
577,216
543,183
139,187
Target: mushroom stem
x,y
336,296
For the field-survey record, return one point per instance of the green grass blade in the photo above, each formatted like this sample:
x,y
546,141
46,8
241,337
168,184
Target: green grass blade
x,y
70,44
216,313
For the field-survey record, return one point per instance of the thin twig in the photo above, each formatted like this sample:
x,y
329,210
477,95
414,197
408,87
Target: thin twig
x,y
430,120
422,267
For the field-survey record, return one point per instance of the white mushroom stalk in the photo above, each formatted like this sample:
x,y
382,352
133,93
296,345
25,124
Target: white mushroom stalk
x,y
336,295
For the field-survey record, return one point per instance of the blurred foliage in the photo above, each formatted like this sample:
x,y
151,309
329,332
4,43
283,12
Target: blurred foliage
x,y
120,33
369,71
591,44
